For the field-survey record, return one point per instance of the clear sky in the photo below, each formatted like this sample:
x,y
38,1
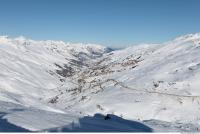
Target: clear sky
x,y
109,22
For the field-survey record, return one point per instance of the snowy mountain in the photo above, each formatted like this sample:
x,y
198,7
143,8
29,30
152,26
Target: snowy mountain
x,y
57,86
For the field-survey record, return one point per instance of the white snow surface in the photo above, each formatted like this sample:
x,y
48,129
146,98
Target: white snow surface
x,y
50,85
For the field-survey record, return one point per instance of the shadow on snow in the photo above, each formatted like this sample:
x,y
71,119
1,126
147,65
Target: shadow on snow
x,y
101,123
5,126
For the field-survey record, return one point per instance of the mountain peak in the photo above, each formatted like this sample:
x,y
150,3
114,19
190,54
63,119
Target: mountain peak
x,y
188,37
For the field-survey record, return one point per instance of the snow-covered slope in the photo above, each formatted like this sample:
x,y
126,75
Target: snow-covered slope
x,y
32,71
155,81
49,85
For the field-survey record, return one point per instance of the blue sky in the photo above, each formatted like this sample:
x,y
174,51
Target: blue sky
x,y
109,22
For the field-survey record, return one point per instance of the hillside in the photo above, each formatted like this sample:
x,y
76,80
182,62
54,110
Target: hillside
x,y
57,86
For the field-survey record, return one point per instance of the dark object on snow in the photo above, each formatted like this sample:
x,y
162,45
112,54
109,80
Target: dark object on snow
x,y
107,117
97,123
